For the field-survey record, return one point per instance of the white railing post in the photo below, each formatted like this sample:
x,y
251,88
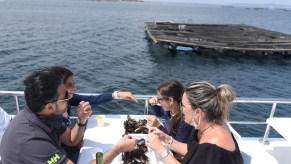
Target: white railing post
x,y
17,104
267,131
146,107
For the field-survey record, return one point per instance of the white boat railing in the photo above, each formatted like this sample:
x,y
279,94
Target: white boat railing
x,y
145,98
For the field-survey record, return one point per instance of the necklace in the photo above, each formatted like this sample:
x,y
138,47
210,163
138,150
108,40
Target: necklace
x,y
200,133
172,114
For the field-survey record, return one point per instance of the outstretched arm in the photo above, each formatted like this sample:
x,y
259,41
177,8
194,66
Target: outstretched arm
x,y
125,144
124,95
102,98
93,99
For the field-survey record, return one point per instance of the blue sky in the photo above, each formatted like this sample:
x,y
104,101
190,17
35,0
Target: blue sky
x,y
280,2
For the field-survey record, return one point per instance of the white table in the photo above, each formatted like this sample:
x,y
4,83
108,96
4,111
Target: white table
x,y
282,126
103,138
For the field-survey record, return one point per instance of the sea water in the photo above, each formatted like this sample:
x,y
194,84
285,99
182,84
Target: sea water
x,y
105,45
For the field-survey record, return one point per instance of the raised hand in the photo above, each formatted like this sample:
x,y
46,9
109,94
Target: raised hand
x,y
126,143
83,111
160,134
153,141
153,101
153,121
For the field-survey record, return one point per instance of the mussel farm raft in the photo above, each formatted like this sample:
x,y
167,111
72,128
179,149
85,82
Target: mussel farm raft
x,y
219,37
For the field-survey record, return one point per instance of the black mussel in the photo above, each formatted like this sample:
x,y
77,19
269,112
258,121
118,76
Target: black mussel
x,y
142,122
142,130
141,142
144,149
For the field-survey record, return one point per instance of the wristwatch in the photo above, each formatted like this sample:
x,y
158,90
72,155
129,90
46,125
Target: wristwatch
x,y
115,95
82,125
165,153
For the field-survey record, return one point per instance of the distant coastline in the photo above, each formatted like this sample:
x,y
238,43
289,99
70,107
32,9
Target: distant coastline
x,y
118,0
267,6
258,8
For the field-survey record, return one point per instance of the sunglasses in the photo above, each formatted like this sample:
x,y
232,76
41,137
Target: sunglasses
x,y
161,99
68,96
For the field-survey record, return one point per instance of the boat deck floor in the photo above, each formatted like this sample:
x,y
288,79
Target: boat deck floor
x,y
254,152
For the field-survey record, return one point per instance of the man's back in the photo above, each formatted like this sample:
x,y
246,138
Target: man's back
x,y
28,140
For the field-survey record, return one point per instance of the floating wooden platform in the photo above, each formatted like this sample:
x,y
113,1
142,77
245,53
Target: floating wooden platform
x,y
220,37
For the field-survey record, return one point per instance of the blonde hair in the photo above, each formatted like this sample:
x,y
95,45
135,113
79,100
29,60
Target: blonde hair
x,y
213,101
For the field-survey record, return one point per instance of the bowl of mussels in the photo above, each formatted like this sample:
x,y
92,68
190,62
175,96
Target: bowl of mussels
x,y
135,124
140,155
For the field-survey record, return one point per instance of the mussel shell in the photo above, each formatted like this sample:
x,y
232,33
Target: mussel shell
x,y
141,142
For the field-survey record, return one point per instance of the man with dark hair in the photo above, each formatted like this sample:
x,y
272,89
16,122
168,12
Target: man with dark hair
x,y
36,133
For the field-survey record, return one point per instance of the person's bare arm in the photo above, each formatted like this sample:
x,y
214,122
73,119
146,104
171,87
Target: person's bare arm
x,y
155,140
179,147
71,137
176,146
124,95
70,162
125,144
74,136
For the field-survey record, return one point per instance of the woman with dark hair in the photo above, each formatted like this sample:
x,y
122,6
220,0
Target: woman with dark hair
x,y
73,152
206,109
167,105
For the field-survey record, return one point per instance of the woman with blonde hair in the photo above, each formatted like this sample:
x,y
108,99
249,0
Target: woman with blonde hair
x,y
206,109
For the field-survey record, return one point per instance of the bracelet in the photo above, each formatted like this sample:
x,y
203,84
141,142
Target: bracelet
x,y
82,125
170,143
165,153
115,96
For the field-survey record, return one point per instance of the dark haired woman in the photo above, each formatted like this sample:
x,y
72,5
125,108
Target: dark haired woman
x,y
167,105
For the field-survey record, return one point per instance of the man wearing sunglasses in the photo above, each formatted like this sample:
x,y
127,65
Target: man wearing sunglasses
x,y
36,133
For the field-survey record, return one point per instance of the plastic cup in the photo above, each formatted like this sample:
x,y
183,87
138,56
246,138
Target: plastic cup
x,y
100,120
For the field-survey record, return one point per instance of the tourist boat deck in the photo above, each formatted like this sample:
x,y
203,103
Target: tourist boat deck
x,y
255,150
220,37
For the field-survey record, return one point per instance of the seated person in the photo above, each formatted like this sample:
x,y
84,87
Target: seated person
x,y
5,119
167,105
37,132
205,108
73,152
